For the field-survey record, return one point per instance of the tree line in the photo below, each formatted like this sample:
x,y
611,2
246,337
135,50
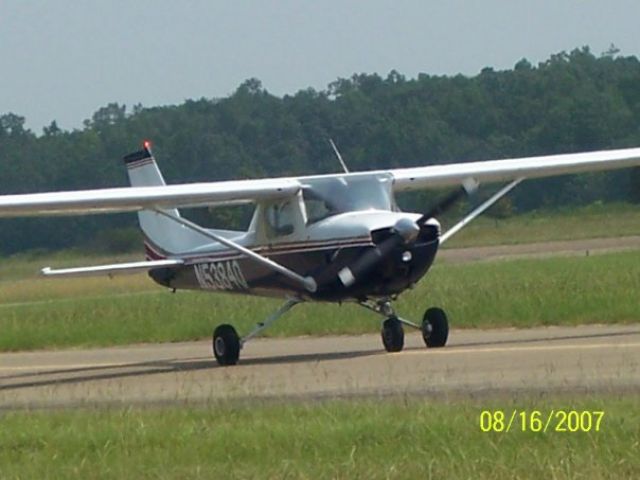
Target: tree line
x,y
574,101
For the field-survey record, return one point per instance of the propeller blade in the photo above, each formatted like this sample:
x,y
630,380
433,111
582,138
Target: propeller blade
x,y
468,187
404,232
355,272
479,210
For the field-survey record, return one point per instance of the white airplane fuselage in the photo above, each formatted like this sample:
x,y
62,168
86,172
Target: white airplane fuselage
x,y
322,251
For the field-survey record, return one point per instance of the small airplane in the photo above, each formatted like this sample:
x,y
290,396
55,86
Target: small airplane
x,y
332,238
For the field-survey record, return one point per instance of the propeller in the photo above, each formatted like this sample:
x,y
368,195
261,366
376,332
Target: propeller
x,y
404,232
468,187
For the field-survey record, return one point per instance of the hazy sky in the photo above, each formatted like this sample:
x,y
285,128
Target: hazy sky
x,y
64,59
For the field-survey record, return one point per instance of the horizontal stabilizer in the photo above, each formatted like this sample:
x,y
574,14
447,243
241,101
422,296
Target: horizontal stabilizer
x,y
113,269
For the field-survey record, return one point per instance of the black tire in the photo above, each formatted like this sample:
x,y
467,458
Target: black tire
x,y
435,328
226,345
392,335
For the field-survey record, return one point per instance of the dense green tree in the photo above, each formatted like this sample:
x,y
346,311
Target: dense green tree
x,y
574,101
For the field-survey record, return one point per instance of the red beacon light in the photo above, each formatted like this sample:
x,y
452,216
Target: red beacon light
x,y
147,144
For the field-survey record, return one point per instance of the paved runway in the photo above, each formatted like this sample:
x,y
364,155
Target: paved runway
x,y
476,362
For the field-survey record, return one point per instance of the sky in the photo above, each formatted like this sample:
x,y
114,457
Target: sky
x,y
62,60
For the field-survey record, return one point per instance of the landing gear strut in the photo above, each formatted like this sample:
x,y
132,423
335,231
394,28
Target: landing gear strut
x,y
434,327
227,344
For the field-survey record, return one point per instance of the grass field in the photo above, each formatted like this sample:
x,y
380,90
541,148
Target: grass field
x,y
594,221
36,313
397,438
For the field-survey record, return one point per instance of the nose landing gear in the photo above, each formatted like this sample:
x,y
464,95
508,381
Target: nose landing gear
x,y
434,327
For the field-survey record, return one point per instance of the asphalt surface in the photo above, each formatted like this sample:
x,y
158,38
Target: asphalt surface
x,y
476,362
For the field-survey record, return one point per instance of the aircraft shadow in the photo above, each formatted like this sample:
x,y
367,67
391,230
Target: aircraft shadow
x,y
66,376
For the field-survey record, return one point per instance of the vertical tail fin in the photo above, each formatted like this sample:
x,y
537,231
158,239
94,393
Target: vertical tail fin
x,y
163,237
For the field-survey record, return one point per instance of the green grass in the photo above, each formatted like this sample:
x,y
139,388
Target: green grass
x,y
594,221
28,264
36,313
390,439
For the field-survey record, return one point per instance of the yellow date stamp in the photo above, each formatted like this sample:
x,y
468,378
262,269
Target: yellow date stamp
x,y
537,421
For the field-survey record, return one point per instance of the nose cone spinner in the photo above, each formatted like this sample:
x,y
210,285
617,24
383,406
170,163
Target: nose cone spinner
x,y
407,229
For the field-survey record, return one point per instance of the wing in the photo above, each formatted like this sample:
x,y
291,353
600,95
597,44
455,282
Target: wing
x,y
243,191
510,169
139,198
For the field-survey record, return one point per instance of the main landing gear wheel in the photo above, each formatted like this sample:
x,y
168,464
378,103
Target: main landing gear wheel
x,y
226,345
435,328
392,335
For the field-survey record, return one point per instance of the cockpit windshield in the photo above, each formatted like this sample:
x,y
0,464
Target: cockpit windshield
x,y
328,196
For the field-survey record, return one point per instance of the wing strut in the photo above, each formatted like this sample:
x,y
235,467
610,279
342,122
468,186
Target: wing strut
x,y
472,216
307,283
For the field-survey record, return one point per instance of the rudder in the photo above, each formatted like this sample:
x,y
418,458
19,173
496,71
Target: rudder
x,y
163,237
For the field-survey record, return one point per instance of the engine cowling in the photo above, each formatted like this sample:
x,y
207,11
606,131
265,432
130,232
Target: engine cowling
x,y
404,232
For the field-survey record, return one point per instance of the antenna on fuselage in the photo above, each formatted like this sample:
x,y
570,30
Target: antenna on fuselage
x,y
337,152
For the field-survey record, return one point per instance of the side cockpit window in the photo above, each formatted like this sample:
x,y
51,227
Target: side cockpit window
x,y
317,208
280,218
